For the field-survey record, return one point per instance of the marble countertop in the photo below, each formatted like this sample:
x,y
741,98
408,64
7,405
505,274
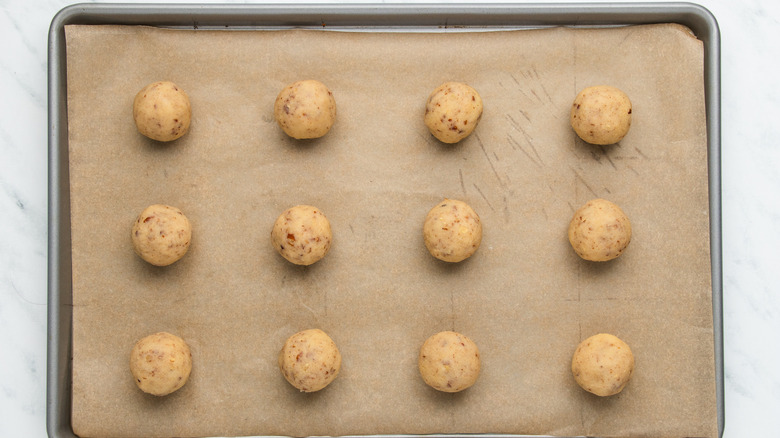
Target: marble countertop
x,y
750,31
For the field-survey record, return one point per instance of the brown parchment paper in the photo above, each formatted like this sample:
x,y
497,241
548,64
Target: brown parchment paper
x,y
525,298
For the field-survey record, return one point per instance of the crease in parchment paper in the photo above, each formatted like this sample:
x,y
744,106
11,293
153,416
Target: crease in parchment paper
x,y
525,297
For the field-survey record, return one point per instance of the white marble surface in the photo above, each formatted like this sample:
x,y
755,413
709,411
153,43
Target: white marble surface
x,y
750,31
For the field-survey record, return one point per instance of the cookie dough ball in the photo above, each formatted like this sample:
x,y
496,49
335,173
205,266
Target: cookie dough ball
x,y
453,111
452,231
161,363
162,111
305,109
599,231
310,360
601,115
449,362
602,364
161,234
302,235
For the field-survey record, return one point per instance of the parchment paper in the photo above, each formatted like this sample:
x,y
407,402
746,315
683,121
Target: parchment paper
x,y
525,298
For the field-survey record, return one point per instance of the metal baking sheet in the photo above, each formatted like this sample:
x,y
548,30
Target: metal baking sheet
x,y
366,17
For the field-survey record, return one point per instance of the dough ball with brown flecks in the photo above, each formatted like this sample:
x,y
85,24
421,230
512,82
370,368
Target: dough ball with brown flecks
x,y
305,109
452,231
161,234
302,235
602,364
453,111
599,231
162,111
310,360
449,362
160,363
601,115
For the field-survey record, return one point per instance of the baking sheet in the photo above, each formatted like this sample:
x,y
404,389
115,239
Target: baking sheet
x,y
504,172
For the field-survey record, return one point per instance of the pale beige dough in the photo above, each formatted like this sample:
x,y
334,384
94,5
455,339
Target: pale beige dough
x,y
452,111
449,361
310,360
162,111
601,115
602,364
160,363
161,234
305,109
302,235
452,231
599,231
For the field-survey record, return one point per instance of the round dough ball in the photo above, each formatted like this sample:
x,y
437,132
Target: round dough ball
x,y
599,231
305,109
453,111
449,362
161,234
302,235
602,364
601,115
162,111
310,360
161,363
452,231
